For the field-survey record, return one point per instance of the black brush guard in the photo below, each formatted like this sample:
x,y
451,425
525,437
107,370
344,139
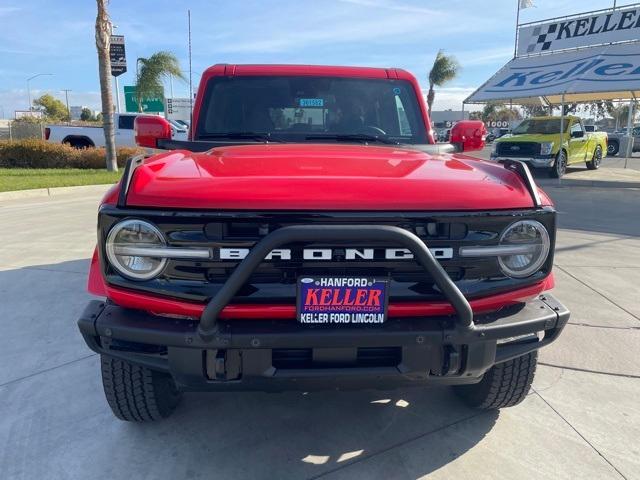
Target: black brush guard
x,y
331,233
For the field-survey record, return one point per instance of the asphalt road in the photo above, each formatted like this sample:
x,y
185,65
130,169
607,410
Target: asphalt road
x,y
581,420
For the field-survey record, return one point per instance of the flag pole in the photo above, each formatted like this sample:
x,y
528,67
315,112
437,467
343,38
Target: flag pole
x,y
515,46
190,78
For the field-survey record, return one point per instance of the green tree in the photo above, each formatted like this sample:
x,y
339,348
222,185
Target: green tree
x,y
103,43
620,113
445,68
533,110
496,111
86,115
150,73
53,108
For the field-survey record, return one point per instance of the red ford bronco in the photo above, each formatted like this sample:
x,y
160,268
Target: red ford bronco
x,y
311,234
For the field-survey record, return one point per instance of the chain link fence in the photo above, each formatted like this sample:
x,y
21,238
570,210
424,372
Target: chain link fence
x,y
13,130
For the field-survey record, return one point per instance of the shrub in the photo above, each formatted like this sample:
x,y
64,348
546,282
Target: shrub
x,y
32,153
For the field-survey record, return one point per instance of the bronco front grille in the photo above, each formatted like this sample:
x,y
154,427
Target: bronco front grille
x,y
274,281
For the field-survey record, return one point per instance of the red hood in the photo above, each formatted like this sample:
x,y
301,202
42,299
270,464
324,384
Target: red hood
x,y
324,177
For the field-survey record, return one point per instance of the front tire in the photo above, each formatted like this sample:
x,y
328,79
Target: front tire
x,y
559,167
595,162
504,385
138,394
612,148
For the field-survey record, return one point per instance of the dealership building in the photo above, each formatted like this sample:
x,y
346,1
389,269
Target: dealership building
x,y
446,118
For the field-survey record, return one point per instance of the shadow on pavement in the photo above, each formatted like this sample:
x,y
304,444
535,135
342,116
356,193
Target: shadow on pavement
x,y
53,406
605,210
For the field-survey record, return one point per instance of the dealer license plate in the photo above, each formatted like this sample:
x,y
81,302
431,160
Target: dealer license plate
x,y
342,300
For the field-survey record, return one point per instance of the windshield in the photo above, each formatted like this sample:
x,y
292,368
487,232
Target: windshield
x,y
542,126
311,109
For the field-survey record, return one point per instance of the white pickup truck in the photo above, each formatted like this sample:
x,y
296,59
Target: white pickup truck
x,y
85,137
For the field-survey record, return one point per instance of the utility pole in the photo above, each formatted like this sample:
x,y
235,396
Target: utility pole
x,y
66,97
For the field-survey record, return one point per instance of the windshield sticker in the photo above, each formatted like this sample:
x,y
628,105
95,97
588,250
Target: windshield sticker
x,y
311,102
397,90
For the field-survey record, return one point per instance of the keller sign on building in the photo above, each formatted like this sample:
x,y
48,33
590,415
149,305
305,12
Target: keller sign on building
x,y
607,26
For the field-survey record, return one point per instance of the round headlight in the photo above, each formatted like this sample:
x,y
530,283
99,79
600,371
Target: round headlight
x,y
530,247
123,241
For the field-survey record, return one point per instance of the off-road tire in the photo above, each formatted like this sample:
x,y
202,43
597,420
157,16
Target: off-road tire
x,y
595,162
559,167
138,394
613,147
504,385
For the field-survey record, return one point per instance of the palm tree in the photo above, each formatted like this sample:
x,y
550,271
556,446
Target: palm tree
x,y
445,68
103,42
151,71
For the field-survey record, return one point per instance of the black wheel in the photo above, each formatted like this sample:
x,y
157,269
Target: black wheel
x,y
559,167
138,394
78,143
504,385
613,147
595,162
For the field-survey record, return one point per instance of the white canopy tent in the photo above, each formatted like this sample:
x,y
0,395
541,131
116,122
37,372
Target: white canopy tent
x,y
605,72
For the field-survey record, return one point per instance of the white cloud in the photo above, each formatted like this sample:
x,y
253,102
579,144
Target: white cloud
x,y
391,5
450,97
17,99
8,10
487,56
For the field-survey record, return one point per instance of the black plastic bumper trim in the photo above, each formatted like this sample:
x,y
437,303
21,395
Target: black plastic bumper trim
x,y
419,338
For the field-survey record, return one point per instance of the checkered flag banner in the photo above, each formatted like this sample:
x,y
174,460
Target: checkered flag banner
x,y
526,4
541,38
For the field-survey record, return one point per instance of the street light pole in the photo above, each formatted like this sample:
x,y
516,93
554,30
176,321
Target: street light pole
x,y
29,86
113,27
66,97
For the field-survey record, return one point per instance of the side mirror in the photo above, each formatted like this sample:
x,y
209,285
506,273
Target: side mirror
x,y
149,129
468,135
578,134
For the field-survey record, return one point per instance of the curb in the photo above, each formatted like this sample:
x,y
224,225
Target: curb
x,y
588,183
54,192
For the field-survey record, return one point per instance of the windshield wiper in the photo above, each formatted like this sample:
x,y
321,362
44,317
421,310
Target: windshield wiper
x,y
359,137
258,136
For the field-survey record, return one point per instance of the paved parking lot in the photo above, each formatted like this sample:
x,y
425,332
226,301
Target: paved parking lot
x,y
582,420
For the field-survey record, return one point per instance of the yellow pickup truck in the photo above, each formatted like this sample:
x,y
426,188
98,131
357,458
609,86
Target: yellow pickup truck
x,y
537,142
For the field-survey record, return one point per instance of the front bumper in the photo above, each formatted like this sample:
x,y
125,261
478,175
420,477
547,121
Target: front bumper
x,y
538,161
275,355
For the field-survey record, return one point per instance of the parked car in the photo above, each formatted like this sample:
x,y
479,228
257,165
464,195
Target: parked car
x,y
537,142
180,132
313,235
497,133
183,123
93,136
615,140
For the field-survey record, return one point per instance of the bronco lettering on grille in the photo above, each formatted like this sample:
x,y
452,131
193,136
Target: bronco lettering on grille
x,y
333,254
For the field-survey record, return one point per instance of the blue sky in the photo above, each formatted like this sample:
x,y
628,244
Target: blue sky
x,y
41,36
